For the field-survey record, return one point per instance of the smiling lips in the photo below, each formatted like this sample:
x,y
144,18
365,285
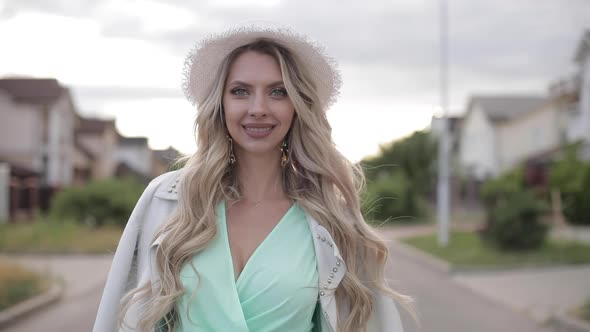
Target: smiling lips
x,y
258,130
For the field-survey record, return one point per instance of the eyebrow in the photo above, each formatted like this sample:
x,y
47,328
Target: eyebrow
x,y
237,82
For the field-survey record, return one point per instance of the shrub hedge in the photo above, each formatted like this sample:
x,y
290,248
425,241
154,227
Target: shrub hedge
x,y
104,202
513,214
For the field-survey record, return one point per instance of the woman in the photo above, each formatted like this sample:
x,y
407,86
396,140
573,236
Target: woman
x,y
262,229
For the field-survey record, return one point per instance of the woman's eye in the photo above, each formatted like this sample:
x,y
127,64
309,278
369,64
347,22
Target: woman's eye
x,y
279,92
239,92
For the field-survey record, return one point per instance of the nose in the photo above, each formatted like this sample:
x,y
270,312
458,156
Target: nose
x,y
258,106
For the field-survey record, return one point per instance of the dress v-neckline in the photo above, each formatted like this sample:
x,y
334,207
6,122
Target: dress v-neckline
x,y
258,248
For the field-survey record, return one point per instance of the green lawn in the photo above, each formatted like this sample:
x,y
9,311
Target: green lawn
x,y
18,284
52,237
584,312
465,249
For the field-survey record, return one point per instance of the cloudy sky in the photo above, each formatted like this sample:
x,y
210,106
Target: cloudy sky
x,y
123,58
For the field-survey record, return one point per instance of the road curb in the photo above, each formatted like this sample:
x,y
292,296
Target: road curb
x,y
25,308
425,259
564,323
443,266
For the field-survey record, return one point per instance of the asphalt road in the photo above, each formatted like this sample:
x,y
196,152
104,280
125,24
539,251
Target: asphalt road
x,y
443,305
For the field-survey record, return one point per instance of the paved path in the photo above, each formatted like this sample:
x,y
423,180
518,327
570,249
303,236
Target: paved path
x,y
446,306
538,293
84,278
444,303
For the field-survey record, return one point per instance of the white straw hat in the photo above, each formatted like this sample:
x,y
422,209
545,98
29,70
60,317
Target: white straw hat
x,y
203,61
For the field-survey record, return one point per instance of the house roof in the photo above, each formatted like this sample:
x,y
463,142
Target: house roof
x,y
507,107
583,47
84,150
32,90
93,125
138,141
167,155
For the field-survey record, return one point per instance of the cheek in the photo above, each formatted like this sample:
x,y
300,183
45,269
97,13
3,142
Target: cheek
x,y
288,114
231,112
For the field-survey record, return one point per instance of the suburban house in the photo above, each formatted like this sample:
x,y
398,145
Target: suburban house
x,y
45,145
37,128
36,141
499,132
134,158
163,159
572,96
100,138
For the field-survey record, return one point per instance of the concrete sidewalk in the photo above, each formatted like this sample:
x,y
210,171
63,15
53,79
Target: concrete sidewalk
x,y
539,293
84,278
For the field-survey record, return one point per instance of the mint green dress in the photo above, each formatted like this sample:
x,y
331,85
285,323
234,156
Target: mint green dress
x,y
276,291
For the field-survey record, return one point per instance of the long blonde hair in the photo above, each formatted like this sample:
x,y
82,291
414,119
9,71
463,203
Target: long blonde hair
x,y
320,179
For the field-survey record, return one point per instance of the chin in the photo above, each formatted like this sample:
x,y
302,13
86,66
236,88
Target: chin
x,y
259,149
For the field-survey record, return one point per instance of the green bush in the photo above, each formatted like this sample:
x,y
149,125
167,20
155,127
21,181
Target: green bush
x,y
516,224
572,179
104,202
507,183
392,199
585,311
513,213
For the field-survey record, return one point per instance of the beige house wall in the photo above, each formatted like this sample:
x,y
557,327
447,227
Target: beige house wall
x,y
20,139
103,146
527,136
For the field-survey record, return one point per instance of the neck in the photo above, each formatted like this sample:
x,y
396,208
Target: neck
x,y
260,177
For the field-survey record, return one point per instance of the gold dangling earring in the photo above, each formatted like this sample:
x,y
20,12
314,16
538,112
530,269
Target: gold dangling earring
x,y
284,153
232,158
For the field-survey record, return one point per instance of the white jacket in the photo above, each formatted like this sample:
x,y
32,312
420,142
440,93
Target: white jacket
x,y
130,268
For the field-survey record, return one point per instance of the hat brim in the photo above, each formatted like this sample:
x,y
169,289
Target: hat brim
x,y
203,61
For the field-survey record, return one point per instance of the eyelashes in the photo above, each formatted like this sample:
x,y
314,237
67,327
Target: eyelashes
x,y
238,92
276,92
279,92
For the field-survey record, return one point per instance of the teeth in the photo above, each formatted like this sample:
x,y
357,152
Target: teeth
x,y
258,130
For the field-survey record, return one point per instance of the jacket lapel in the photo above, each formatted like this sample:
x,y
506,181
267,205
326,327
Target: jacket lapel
x,y
331,269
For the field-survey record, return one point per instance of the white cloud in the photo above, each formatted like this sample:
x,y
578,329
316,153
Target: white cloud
x,y
360,127
153,16
73,51
388,52
243,3
165,121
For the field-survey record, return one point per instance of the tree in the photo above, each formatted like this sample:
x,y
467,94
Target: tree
x,y
400,177
413,156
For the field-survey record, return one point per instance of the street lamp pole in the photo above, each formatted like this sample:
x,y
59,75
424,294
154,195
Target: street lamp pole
x,y
443,199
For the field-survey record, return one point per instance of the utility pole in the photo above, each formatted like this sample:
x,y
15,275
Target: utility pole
x,y
443,199
4,192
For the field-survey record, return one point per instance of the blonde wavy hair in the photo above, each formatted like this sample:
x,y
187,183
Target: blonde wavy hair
x,y
320,179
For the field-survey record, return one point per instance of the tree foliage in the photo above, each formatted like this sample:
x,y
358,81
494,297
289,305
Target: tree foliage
x,y
571,176
400,177
414,156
